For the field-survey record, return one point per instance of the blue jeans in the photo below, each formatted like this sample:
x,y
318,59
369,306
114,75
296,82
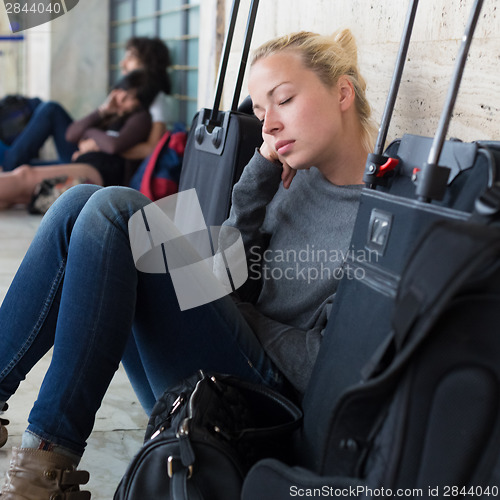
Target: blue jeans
x,y
49,119
78,290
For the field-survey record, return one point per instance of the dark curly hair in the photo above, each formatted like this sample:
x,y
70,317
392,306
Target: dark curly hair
x,y
145,85
155,57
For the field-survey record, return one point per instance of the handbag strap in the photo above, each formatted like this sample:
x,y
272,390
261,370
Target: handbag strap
x,y
179,486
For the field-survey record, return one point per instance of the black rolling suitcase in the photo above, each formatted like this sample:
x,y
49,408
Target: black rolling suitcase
x,y
221,143
425,420
405,391
393,215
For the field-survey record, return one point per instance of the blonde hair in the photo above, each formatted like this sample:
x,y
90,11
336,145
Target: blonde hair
x,y
330,57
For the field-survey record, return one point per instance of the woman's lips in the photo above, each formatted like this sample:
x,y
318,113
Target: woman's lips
x,y
283,147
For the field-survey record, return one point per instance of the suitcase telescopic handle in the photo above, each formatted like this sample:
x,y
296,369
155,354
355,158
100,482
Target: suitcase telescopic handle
x,y
396,78
244,57
376,162
433,178
225,58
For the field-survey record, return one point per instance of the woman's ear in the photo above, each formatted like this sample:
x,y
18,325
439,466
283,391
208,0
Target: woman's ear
x,y
346,91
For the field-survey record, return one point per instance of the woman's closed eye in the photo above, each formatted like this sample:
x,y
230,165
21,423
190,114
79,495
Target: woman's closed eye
x,y
285,101
281,102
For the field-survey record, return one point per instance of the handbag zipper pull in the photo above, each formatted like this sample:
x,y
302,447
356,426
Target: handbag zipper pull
x,y
157,433
175,406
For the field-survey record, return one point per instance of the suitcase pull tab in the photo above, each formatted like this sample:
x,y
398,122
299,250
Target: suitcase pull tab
x,y
377,170
414,175
387,167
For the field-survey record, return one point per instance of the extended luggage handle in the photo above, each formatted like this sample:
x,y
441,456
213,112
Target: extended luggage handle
x,y
225,58
244,57
431,178
377,165
396,78
211,127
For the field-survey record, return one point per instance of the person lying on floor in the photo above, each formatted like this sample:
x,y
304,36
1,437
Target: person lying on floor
x,y
299,193
99,140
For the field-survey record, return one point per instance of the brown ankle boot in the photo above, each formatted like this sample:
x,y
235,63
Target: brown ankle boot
x,y
43,475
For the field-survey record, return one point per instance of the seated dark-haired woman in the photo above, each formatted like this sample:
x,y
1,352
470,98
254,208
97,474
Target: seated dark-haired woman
x,y
98,141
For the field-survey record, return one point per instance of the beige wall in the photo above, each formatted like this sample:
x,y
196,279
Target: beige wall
x,y
377,25
76,47
79,56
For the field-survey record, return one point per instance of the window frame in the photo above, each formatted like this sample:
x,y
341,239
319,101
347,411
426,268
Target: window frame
x,y
181,71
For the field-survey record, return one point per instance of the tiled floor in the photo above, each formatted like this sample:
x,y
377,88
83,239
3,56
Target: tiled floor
x,y
120,422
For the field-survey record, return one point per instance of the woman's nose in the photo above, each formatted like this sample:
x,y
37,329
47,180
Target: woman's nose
x,y
271,124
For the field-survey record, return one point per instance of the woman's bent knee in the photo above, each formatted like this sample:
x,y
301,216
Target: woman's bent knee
x,y
115,203
77,196
69,205
120,199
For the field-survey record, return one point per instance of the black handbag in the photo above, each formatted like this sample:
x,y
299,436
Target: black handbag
x,y
204,435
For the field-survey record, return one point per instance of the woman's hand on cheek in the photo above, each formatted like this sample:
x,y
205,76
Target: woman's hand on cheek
x,y
270,154
110,105
287,175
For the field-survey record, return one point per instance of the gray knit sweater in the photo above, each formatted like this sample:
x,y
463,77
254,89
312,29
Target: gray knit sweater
x,y
295,241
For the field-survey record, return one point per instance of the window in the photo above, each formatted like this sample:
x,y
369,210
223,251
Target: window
x,y
176,22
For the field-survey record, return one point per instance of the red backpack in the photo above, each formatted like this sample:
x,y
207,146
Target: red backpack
x,y
158,175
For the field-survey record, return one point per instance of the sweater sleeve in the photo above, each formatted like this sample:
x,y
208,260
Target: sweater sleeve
x,y
256,188
135,130
75,130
